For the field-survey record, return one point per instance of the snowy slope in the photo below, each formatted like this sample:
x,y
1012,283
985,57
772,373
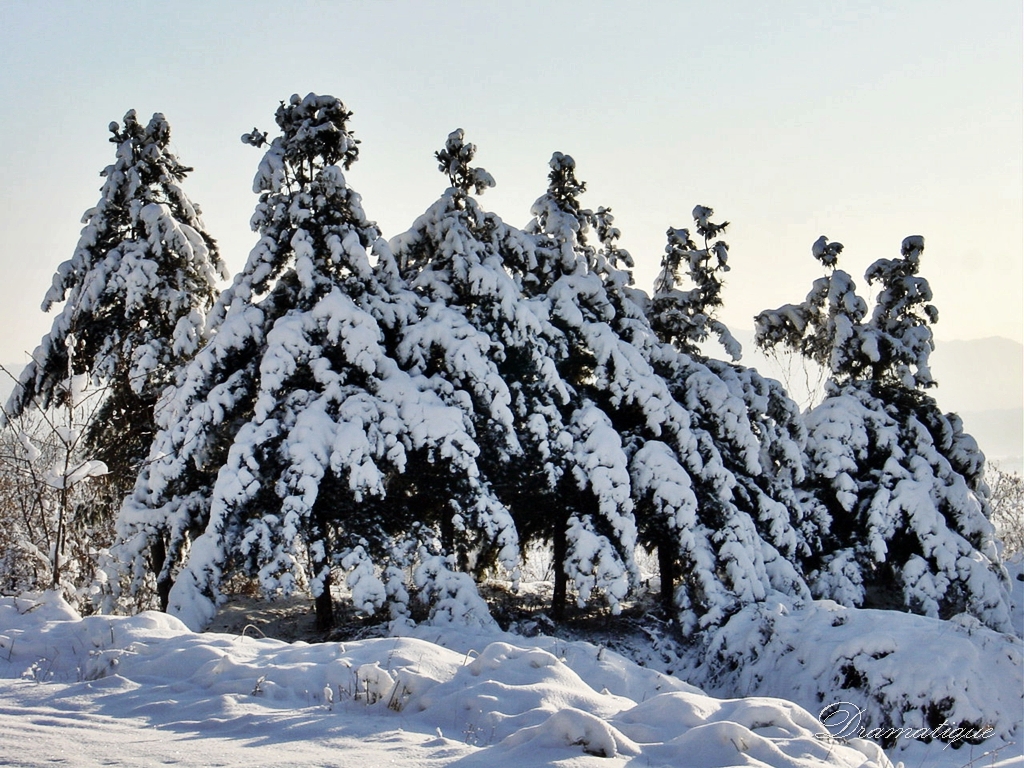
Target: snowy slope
x,y
144,691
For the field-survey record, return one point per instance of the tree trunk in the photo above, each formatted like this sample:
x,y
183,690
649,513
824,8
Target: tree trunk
x,y
164,582
560,550
667,570
324,607
321,562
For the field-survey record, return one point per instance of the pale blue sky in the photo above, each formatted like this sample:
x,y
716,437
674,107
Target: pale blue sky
x,y
791,119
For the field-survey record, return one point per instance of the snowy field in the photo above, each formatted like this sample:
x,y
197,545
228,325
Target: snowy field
x,y
144,691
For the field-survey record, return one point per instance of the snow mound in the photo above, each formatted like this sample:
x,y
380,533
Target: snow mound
x,y
402,699
889,670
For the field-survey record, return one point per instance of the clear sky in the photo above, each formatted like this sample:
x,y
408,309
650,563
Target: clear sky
x,y
862,121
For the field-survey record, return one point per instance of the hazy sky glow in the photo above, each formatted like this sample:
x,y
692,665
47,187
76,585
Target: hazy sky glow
x,y
791,120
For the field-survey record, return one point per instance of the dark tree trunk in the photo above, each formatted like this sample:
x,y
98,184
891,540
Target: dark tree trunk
x,y
667,570
164,582
560,550
321,563
324,607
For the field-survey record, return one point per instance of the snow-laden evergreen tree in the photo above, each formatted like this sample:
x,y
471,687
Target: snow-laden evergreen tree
x,y
136,292
286,443
617,400
687,318
899,335
477,331
726,517
901,483
828,326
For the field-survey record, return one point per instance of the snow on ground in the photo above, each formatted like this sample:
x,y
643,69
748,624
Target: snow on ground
x,y
144,690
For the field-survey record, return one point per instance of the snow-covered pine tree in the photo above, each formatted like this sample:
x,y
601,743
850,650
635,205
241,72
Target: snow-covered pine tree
x,y
478,332
827,327
687,318
724,516
899,333
901,483
670,421
136,292
585,509
296,420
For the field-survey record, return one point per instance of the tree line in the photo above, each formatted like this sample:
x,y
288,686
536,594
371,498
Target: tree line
x,y
410,415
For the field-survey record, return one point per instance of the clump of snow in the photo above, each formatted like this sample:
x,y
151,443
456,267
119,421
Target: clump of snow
x,y
890,670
